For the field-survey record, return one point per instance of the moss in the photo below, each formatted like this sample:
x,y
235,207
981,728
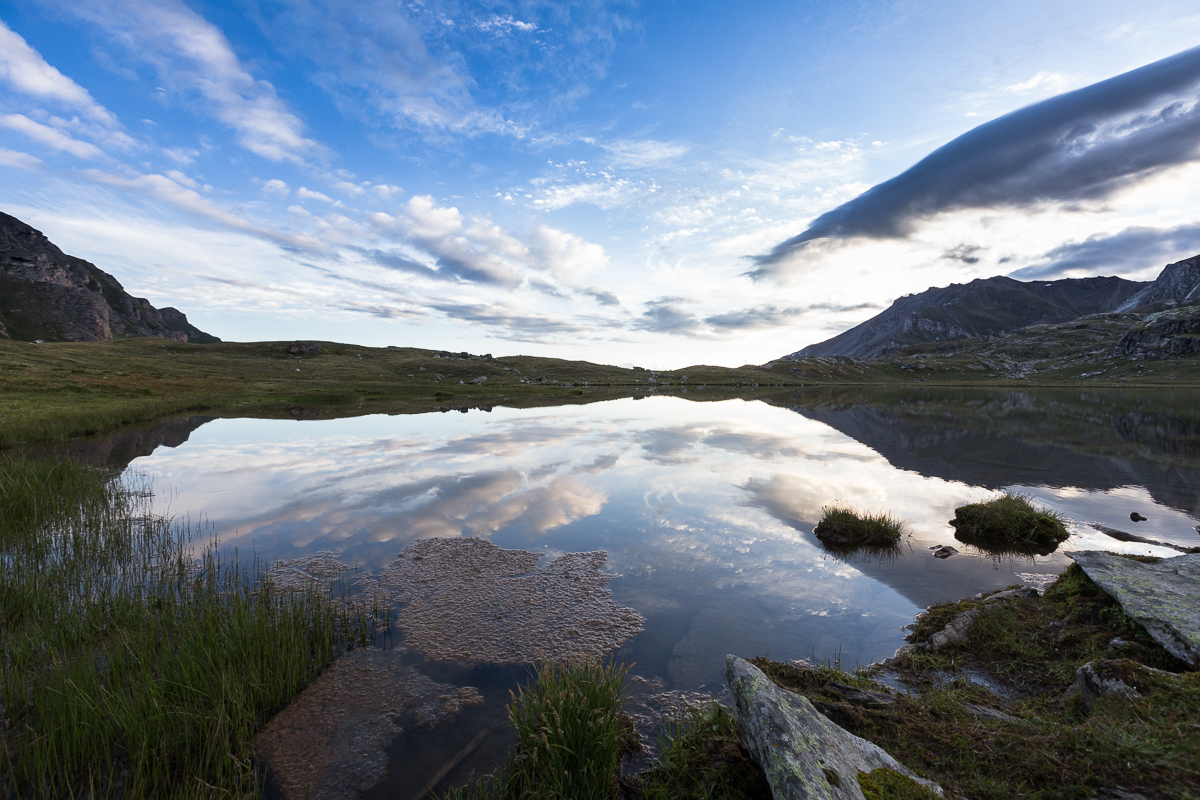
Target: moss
x,y
1009,519
843,525
887,784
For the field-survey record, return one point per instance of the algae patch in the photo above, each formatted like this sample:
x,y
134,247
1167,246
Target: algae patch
x,y
469,600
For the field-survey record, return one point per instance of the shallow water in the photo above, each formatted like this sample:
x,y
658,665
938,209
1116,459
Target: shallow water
x,y
706,510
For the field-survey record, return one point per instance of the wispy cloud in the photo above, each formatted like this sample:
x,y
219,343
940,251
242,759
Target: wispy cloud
x,y
25,70
644,152
192,55
171,191
51,137
14,158
1080,146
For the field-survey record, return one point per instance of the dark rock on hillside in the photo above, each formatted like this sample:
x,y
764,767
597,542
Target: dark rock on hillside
x,y
1164,334
48,295
1177,284
983,307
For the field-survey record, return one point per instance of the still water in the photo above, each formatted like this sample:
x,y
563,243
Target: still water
x,y
705,509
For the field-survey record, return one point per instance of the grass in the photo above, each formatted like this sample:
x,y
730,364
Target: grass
x,y
703,758
1011,519
1047,750
128,668
59,390
572,737
844,525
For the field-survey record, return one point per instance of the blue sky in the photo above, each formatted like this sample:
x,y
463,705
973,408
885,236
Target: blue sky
x,y
655,183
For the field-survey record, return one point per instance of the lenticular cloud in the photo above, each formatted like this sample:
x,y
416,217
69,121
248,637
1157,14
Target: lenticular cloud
x,y
1078,146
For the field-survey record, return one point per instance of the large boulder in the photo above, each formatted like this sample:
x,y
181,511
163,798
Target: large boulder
x,y
803,754
1164,596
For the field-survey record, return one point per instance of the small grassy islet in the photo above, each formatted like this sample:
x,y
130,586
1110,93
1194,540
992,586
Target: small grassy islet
x,y
1011,519
842,524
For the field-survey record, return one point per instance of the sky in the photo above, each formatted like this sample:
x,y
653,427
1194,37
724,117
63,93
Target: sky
x,y
659,183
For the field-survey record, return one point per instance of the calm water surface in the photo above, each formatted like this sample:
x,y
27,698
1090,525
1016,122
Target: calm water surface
x,y
705,509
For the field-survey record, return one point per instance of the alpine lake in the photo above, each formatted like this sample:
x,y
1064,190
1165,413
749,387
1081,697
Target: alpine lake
x,y
697,520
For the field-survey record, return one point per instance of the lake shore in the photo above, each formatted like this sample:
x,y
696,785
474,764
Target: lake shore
x,y
54,391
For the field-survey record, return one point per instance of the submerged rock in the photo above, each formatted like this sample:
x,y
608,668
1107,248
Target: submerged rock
x,y
331,741
1164,596
469,600
803,754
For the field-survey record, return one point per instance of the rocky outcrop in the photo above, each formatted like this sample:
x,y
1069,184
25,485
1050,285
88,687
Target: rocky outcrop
x,y
983,307
48,295
1163,335
1163,596
803,754
1178,284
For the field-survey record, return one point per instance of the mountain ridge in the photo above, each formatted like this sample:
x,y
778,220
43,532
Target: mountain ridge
x,y
48,295
1000,305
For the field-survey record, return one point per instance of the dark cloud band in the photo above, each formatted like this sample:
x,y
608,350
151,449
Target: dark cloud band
x,y
1078,146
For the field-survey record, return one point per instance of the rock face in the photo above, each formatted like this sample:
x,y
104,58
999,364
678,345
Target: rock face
x,y
1163,596
1178,283
1164,334
803,754
48,295
983,307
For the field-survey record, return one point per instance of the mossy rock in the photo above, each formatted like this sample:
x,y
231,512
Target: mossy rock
x,y
1010,519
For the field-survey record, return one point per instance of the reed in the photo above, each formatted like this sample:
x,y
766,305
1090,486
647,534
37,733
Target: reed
x,y
130,667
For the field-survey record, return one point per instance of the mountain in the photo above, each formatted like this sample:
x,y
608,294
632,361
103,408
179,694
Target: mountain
x,y
1177,284
50,296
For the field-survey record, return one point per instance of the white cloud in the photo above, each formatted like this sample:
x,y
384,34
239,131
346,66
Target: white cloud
x,y
1048,82
193,55
51,137
605,194
13,158
276,188
645,152
170,191
567,257
27,72
309,194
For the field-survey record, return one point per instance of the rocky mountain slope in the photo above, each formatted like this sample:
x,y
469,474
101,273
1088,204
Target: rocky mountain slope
x,y
983,307
1177,285
48,295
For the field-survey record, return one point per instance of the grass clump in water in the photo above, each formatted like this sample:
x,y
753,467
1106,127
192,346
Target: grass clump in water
x,y
1009,519
572,738
127,667
844,525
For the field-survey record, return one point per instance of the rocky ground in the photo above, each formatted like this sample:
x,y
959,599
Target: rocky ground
x,y
1067,694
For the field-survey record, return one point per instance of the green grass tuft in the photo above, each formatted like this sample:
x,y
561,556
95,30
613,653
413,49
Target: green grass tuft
x,y
887,784
1009,519
844,525
703,758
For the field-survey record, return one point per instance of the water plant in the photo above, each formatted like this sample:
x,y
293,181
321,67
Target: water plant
x,y
845,525
1012,519
135,661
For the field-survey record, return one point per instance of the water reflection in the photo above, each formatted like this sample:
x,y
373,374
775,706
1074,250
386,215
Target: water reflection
x,y
706,509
